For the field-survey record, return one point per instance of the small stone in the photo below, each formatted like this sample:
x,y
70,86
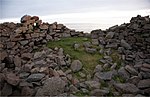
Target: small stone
x,y
82,74
26,56
24,42
131,70
134,80
99,92
104,75
61,73
76,46
73,89
110,35
17,61
126,88
27,91
144,83
146,65
125,44
98,68
92,84
76,66
91,50
43,27
35,77
25,18
122,72
95,41
3,55
24,75
7,90
12,79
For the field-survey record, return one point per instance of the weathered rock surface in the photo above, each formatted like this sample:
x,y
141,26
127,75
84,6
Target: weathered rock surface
x,y
76,65
52,87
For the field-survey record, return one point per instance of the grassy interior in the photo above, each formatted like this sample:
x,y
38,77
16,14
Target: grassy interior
x,y
88,60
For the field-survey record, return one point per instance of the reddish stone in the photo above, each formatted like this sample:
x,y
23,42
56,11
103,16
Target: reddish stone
x,y
25,18
35,18
17,61
3,55
26,91
12,79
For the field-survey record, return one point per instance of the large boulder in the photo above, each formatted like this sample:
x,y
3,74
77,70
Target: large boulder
x,y
52,87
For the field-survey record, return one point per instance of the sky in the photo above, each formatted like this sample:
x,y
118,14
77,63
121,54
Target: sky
x,y
75,13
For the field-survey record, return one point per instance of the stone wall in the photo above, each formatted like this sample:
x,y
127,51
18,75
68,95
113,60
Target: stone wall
x,y
28,68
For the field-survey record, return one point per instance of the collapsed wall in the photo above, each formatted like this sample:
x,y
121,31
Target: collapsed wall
x,y
28,72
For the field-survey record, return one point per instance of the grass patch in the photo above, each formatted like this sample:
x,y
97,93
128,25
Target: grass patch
x,y
116,59
89,60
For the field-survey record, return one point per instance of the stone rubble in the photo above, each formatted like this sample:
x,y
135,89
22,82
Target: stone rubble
x,y
29,68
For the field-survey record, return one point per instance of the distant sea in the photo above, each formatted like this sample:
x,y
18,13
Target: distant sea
x,y
87,27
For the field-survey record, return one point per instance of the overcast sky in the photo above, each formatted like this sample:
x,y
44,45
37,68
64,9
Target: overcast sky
x,y
74,11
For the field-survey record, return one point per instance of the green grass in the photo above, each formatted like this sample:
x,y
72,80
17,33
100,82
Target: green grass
x,y
89,61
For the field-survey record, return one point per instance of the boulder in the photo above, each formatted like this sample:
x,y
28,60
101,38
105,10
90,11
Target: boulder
x,y
76,66
52,87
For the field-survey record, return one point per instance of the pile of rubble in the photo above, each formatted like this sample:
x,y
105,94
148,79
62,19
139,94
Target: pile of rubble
x,y
132,42
29,68
22,68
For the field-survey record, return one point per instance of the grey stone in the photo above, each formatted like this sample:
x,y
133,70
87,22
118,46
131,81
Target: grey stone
x,y
24,75
110,35
76,66
144,83
98,68
73,89
125,44
92,84
146,65
122,72
95,41
76,46
82,74
99,92
91,50
35,77
52,87
126,88
7,90
39,54
112,45
134,80
24,42
87,44
131,70
104,75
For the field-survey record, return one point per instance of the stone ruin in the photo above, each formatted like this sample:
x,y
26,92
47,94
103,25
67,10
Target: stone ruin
x,y
48,72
